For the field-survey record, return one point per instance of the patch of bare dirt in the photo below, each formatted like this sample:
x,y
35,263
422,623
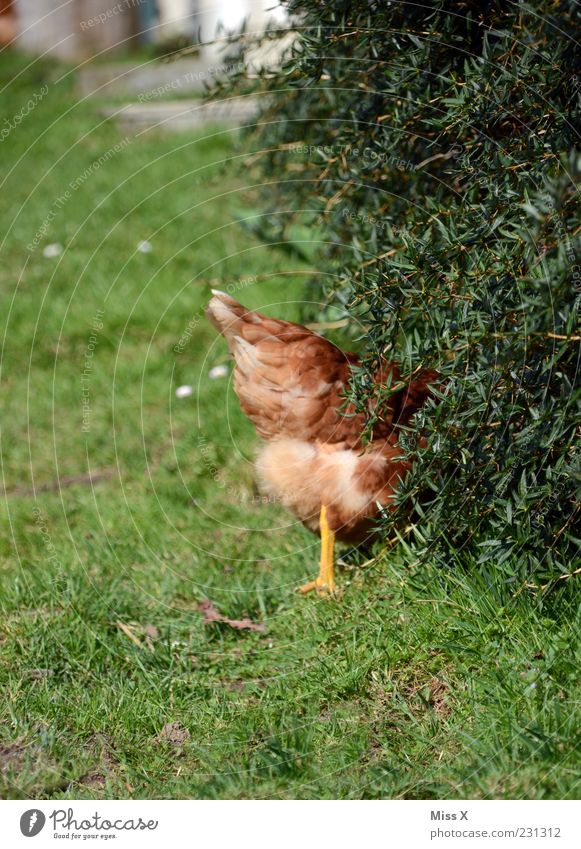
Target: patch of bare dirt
x,y
437,697
96,778
12,754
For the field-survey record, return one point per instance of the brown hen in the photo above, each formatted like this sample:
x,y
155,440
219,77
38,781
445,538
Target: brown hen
x,y
291,384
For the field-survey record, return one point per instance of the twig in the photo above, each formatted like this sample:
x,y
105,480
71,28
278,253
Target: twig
x,y
89,478
129,633
328,325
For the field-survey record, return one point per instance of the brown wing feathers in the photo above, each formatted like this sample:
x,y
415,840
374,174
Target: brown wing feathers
x,y
291,382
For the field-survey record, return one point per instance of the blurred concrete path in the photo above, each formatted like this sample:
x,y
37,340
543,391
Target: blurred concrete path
x,y
179,115
146,80
160,94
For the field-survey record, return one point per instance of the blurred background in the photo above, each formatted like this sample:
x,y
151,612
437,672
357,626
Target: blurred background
x,y
81,29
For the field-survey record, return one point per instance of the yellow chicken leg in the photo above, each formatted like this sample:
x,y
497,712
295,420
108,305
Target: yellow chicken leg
x,y
325,583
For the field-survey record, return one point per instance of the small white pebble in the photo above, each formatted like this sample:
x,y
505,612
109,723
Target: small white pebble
x,y
184,391
144,247
53,250
218,371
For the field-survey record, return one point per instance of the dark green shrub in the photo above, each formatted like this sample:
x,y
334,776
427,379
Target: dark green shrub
x,y
434,147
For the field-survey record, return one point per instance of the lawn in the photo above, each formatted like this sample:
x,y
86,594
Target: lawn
x,y
128,512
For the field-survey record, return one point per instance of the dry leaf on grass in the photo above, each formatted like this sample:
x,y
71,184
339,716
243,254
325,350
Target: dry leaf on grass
x,y
174,733
211,614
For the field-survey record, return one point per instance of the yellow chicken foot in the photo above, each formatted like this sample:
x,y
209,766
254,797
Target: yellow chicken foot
x,y
325,583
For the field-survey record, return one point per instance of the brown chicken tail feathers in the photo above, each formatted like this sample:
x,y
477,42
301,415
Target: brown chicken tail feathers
x,y
227,315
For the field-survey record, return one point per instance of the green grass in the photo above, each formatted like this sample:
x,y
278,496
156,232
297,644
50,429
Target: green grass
x,y
414,683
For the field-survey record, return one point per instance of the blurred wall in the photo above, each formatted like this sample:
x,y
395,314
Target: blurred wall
x,y
82,28
77,28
